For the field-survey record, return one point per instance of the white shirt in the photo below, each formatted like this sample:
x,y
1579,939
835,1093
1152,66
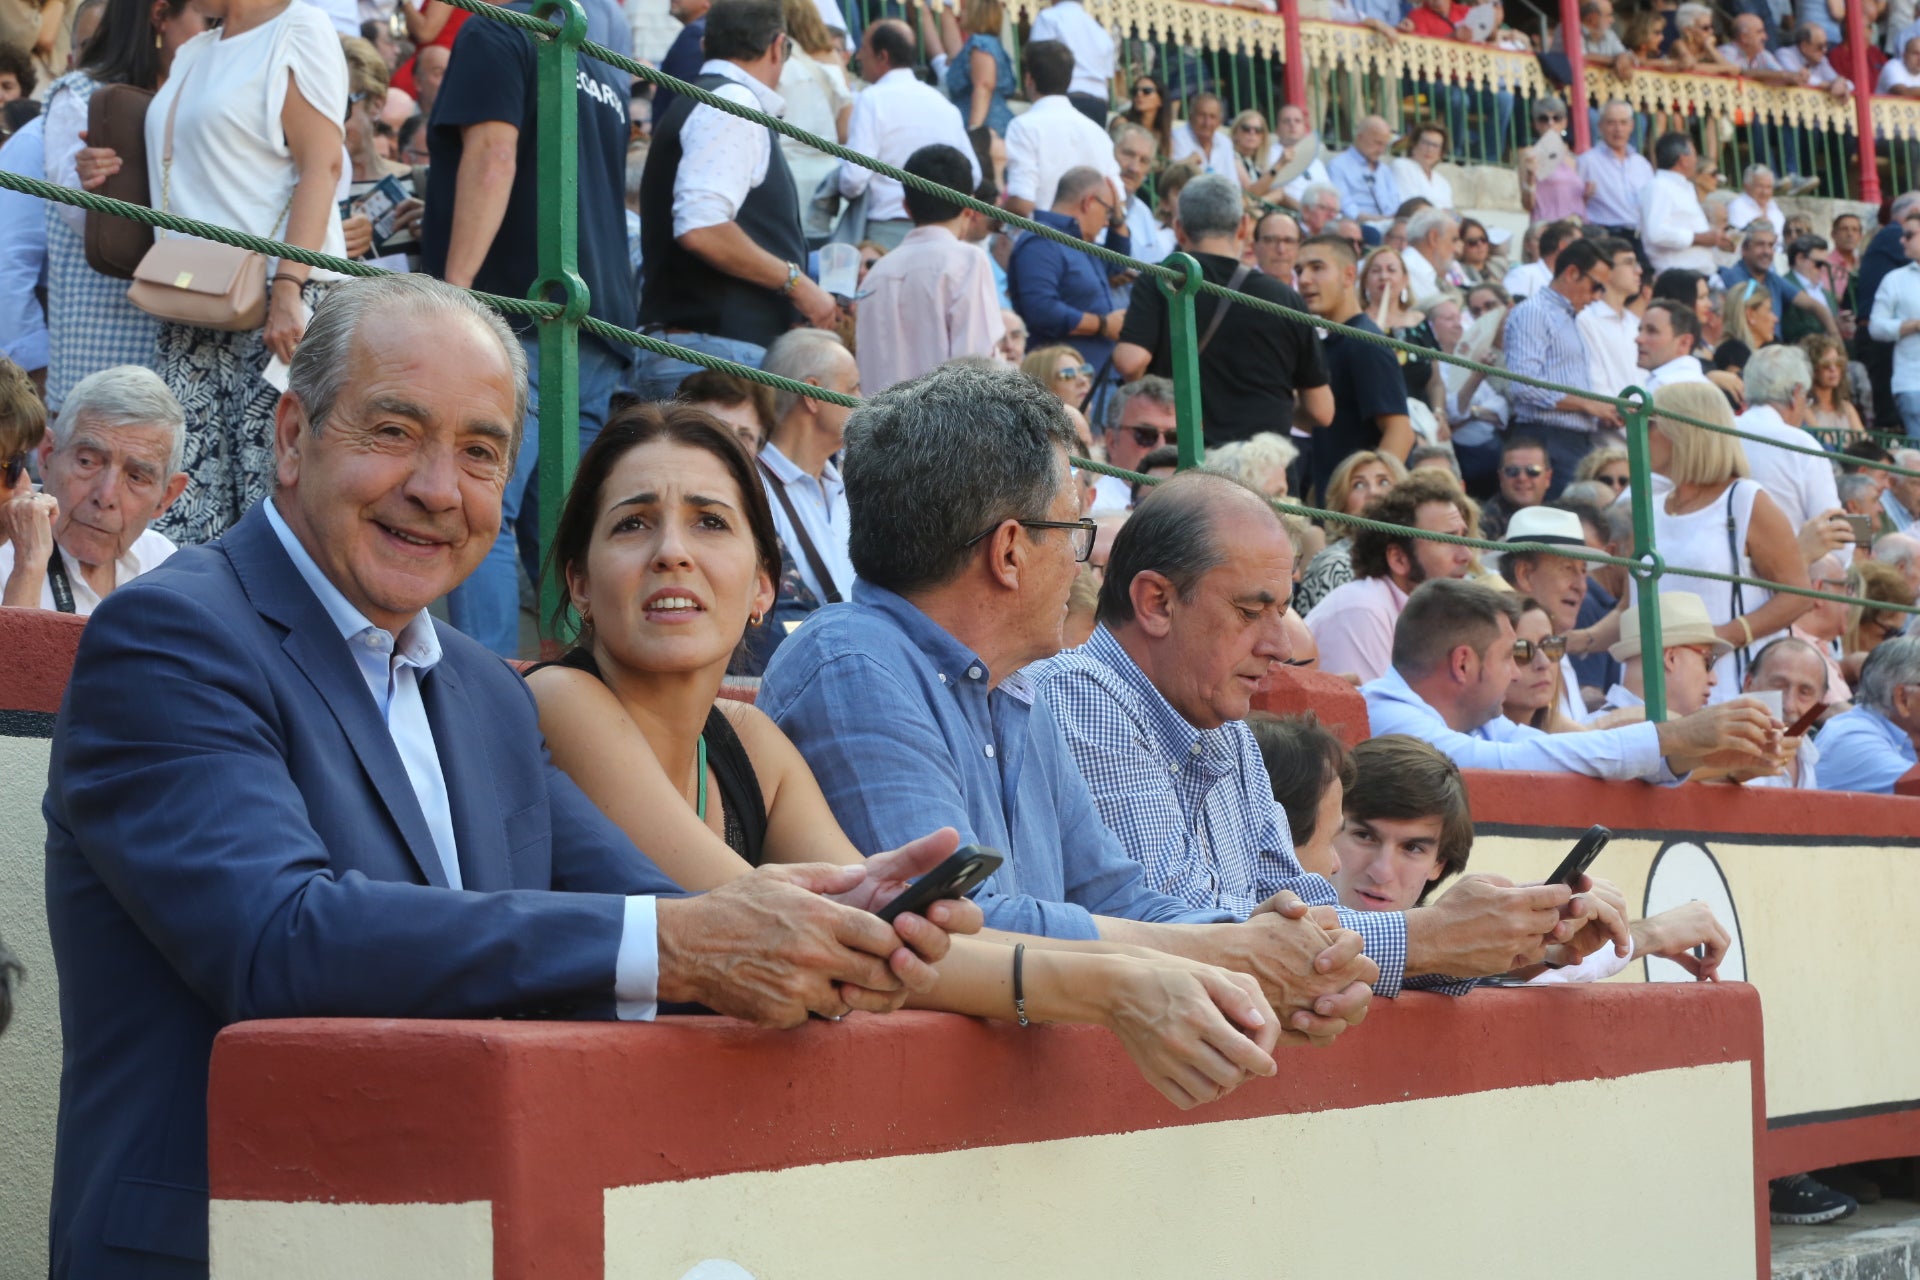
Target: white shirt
x,y
892,119
1316,171
1819,75
1151,241
1670,217
1353,627
1896,76
1898,299
822,507
1572,705
1068,22
1613,364
343,14
1422,280
231,163
1220,157
722,157
1801,777
1743,211
1678,369
1413,181
1112,496
931,299
1049,138
149,551
1528,279
1801,486
1903,520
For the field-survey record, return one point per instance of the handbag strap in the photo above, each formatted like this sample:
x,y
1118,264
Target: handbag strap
x,y
1739,592
1240,274
812,552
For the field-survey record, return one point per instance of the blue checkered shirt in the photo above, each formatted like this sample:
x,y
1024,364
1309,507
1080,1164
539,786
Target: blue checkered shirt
x,y
1194,806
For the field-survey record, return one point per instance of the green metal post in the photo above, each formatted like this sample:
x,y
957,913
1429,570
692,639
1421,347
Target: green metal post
x,y
557,67
1186,358
1646,573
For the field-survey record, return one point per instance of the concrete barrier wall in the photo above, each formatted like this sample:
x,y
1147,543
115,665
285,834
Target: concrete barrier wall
x,y
1433,1143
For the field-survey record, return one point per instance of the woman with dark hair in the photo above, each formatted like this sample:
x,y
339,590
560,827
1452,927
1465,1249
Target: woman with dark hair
x,y
1310,770
1149,107
667,549
90,324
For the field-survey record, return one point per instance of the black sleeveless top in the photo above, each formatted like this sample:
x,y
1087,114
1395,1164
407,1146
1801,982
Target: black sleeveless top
x,y
743,809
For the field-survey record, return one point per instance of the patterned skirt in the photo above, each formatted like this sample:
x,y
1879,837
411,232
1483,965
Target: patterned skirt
x,y
229,407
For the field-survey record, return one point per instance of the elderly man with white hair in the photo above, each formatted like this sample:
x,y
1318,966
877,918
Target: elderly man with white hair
x,y
1756,201
1872,746
1902,551
1433,238
1319,207
111,462
1778,381
1368,191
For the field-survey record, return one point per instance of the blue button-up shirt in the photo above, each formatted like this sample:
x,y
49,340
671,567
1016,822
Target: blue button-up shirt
x,y
907,731
1780,290
1543,341
1052,285
23,252
1194,807
1617,182
1862,750
1367,191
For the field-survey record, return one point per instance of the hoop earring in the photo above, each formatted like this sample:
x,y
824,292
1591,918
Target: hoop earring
x,y
753,620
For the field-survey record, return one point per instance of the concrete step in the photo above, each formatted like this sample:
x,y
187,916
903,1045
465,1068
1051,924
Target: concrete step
x,y
1881,1242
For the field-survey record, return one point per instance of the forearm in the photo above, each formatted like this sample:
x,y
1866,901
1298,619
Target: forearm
x,y
728,249
1775,615
480,193
24,584
312,208
976,979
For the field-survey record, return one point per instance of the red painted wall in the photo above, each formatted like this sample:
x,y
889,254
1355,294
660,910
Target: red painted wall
x,y
39,649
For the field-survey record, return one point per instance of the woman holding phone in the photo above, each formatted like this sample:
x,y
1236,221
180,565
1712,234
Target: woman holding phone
x,y
668,551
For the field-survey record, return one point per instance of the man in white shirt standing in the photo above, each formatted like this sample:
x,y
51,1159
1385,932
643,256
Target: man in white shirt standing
x,y
1673,227
804,488
1052,136
933,297
1201,140
1896,320
1668,332
1614,171
1608,328
1433,238
111,461
1091,89
1778,380
892,118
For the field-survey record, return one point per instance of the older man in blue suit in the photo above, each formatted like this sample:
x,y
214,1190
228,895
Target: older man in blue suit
x,y
280,789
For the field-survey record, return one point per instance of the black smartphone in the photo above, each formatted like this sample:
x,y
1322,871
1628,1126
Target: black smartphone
x,y
958,876
1575,864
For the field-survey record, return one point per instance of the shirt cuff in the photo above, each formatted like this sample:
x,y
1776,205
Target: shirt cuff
x,y
636,969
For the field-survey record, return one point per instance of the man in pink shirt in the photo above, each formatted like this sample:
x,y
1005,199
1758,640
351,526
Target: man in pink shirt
x,y
933,297
1353,625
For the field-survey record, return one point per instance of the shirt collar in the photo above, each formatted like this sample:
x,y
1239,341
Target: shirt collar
x,y
1058,221
931,231
770,102
899,75
1680,364
1621,696
957,664
417,642
787,471
1762,414
1178,738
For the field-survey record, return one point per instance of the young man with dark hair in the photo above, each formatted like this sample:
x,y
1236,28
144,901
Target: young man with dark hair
x,y
892,119
1668,335
1369,391
1543,341
1053,136
932,298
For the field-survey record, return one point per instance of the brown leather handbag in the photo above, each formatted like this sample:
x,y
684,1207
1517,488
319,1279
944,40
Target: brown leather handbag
x,y
117,118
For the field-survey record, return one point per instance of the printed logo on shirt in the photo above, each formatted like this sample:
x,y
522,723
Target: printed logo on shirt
x,y
600,91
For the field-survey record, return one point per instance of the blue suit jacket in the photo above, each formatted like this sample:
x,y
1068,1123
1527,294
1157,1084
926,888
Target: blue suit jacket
x,y
231,835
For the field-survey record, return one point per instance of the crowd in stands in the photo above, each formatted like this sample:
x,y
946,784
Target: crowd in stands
x,y
954,628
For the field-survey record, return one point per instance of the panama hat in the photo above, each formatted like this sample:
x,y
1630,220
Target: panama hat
x,y
1546,524
1683,621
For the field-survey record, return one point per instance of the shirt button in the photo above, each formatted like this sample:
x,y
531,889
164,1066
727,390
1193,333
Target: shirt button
x,y
989,751
1194,749
943,677
973,673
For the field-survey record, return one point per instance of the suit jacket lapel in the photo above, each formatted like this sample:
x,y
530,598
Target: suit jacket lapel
x,y
478,829
315,645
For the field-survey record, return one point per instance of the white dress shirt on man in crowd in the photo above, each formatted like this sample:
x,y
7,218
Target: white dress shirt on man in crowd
x,y
1049,138
929,300
1801,485
1608,333
1678,369
1669,220
1069,22
723,158
892,119
1220,156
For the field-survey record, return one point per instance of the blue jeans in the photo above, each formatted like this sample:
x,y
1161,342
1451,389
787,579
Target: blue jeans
x,y
657,377
1908,403
487,605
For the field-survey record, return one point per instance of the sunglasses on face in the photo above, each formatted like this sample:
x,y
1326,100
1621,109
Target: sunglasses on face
x,y
1553,648
1154,437
1617,482
1073,371
1474,243
1514,473
1250,128
1140,89
1550,118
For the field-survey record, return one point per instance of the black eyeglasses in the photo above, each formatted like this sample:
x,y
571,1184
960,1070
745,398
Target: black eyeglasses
x,y
1550,117
1081,541
1154,437
1514,473
1553,648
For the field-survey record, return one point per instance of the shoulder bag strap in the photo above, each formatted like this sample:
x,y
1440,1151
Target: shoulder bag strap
x,y
166,144
1240,274
1733,567
807,548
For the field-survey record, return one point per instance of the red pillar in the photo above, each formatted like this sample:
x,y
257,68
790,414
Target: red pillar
x,y
1862,102
1574,41
1296,84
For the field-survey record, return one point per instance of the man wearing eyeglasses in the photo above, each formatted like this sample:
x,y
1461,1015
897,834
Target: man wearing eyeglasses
x,y
1145,423
1543,341
1064,294
1525,476
1365,182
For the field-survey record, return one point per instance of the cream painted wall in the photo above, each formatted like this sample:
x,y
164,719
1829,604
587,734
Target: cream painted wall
x,y
258,1240
30,1050
1449,1183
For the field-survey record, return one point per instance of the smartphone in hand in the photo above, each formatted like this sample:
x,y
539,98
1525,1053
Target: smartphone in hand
x,y
962,872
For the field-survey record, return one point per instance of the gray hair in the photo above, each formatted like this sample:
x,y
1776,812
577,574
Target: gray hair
x,y
1316,194
1688,14
1856,486
1426,222
1170,532
1590,493
1901,203
320,362
1152,387
1790,644
1438,449
1211,205
804,355
986,441
1619,517
1124,129
1076,182
126,395
1549,104
1894,662
1896,549
1774,373
1611,103
1753,171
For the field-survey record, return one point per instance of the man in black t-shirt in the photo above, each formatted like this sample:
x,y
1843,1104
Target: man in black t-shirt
x,y
481,230
1369,393
1252,362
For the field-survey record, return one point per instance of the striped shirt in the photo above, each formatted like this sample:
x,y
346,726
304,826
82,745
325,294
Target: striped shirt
x,y
1543,341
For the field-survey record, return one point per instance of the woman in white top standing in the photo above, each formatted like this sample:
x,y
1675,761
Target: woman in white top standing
x,y
1718,519
814,84
257,146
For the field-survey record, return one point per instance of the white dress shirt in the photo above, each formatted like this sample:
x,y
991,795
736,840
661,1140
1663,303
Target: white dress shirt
x,y
1898,299
1800,485
1068,22
1896,76
1669,220
1613,362
1743,211
1220,157
1112,496
393,667
1528,279
1903,520
1413,181
149,551
1422,280
1314,172
892,119
1678,369
931,299
822,507
1049,138
722,157
1151,241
